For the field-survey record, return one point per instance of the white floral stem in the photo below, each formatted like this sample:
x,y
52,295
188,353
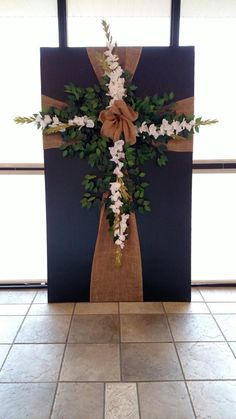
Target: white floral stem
x,y
166,128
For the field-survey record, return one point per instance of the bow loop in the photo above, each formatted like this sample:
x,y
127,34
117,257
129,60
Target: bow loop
x,y
119,119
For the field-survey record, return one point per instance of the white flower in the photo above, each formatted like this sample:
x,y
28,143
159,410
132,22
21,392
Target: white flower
x,y
79,120
43,121
143,128
117,155
90,123
176,126
47,119
118,172
55,121
115,196
120,243
166,128
153,131
116,89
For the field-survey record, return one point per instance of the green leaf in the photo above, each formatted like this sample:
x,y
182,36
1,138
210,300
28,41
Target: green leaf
x,y
162,160
90,177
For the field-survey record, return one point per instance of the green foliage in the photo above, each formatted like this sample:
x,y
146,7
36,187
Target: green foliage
x,y
89,144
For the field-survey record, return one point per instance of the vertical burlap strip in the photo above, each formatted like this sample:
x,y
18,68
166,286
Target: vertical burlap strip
x,y
108,282
111,283
128,59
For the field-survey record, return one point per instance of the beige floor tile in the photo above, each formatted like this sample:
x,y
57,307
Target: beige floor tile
x,y
22,401
149,362
14,309
96,362
216,400
79,400
121,401
9,326
219,294
233,347
17,296
164,401
144,328
32,363
44,329
51,309
41,297
100,328
227,323
141,308
196,295
185,308
207,361
96,308
222,308
194,327
3,353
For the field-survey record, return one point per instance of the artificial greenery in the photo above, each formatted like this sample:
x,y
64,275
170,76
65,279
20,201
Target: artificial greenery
x,y
90,144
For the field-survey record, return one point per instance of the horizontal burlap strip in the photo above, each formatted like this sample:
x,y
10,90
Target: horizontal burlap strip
x,y
182,106
185,106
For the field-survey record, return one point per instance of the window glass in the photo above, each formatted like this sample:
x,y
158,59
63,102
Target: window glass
x,y
210,25
25,26
213,227
133,22
23,228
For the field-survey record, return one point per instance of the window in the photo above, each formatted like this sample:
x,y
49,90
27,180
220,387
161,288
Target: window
x,y
211,27
23,228
133,22
213,227
25,26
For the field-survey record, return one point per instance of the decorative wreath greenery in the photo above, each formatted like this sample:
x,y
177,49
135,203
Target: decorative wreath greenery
x,y
120,185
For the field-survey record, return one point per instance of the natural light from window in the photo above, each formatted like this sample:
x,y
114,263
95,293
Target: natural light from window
x,y
133,23
25,26
211,27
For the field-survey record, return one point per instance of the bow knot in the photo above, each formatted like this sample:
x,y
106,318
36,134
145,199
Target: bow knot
x,y
119,119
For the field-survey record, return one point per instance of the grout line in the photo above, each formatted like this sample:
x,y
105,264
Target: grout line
x,y
174,343
62,360
117,343
126,382
120,350
138,399
19,328
226,341
104,400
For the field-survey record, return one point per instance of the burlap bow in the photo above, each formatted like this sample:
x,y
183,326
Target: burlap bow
x,y
117,120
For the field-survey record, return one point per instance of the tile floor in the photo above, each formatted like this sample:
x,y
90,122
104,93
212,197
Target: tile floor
x,y
117,361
